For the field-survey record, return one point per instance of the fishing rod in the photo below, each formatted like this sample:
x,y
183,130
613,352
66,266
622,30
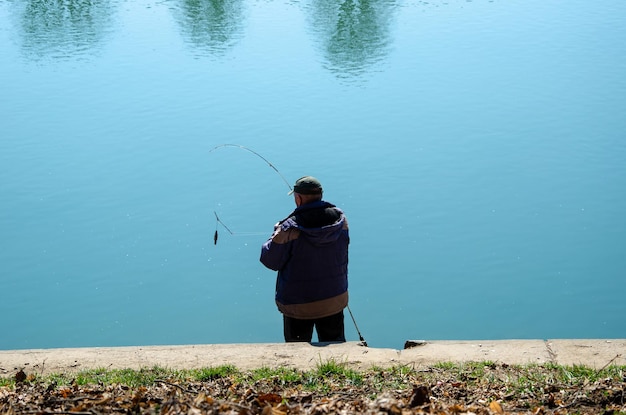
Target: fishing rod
x,y
256,154
362,340
218,221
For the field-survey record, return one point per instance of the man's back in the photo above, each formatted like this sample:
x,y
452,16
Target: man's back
x,y
309,249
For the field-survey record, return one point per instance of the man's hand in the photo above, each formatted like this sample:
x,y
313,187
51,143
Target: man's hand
x,y
281,236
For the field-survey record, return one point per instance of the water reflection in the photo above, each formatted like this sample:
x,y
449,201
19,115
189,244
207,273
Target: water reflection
x,y
210,26
62,28
354,35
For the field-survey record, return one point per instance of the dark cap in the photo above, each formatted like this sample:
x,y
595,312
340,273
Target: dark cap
x,y
307,185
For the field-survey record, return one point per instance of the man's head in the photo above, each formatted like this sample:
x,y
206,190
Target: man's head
x,y
307,185
307,189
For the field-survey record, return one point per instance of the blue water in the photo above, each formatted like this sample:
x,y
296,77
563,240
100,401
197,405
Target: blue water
x,y
477,147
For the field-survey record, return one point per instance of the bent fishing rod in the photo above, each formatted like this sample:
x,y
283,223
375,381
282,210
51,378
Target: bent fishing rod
x,y
362,341
256,154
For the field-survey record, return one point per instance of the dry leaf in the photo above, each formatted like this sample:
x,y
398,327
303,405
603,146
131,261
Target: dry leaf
x,y
200,399
455,409
269,398
20,376
420,396
496,407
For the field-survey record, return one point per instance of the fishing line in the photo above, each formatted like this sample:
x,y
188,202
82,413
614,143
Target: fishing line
x,y
218,220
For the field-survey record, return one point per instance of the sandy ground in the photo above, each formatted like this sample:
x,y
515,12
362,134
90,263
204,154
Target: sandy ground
x,y
593,353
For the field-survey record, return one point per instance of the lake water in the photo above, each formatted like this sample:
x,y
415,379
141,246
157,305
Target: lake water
x,y
478,149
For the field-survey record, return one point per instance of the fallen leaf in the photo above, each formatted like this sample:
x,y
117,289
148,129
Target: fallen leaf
x,y
496,407
200,399
269,398
420,396
20,376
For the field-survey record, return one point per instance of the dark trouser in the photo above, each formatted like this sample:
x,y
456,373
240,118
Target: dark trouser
x,y
329,329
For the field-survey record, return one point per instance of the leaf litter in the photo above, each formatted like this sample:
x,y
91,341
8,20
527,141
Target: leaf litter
x,y
474,388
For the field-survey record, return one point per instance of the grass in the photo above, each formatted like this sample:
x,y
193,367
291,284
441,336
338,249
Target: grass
x,y
334,369
331,374
211,373
325,372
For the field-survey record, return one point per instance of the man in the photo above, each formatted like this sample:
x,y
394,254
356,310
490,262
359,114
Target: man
x,y
309,249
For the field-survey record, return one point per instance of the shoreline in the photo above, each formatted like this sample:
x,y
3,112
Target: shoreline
x,y
593,353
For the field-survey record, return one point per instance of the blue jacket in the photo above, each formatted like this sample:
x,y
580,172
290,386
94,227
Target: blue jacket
x,y
309,250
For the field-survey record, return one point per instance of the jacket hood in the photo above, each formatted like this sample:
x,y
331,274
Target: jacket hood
x,y
319,222
324,235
